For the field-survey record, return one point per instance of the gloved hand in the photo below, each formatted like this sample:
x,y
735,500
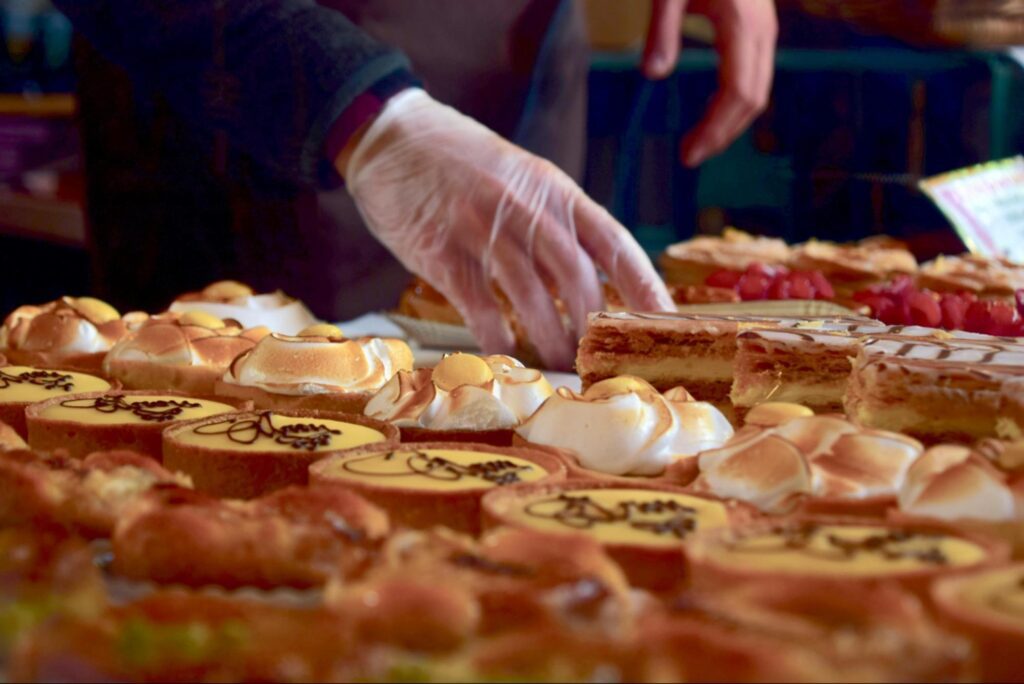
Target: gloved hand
x,y
464,208
745,34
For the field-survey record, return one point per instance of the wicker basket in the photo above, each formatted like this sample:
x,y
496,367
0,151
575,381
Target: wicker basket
x,y
980,23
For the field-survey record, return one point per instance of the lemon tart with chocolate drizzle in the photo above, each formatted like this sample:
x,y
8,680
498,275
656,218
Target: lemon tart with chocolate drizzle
x,y
435,483
249,453
105,421
642,526
24,385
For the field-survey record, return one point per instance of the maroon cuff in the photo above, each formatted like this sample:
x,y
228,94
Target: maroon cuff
x,y
363,108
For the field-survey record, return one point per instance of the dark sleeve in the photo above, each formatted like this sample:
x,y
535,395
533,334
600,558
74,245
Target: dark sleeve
x,y
273,74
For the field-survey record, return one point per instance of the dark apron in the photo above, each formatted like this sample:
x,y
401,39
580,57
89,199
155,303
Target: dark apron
x,y
171,209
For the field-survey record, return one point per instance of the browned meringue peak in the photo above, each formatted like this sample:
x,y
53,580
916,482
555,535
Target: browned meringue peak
x,y
952,482
317,363
193,338
773,413
69,325
230,299
823,456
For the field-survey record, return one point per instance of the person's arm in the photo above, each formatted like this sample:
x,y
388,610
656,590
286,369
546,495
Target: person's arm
x,y
276,75
746,31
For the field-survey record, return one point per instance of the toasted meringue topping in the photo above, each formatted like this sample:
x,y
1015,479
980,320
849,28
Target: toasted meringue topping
x,y
821,456
230,300
65,326
201,319
623,426
950,482
463,392
321,330
773,413
282,364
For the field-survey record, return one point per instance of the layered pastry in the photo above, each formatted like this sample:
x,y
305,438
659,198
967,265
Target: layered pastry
x,y
853,267
85,495
808,365
690,263
436,589
297,537
182,352
24,385
984,276
249,453
463,398
642,526
783,630
72,333
987,607
231,300
108,421
816,463
1010,422
809,550
318,369
667,350
420,300
434,483
623,426
935,390
188,636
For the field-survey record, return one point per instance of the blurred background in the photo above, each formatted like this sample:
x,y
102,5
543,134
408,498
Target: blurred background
x,y
869,97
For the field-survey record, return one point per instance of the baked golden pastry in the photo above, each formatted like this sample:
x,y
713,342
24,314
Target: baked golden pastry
x,y
108,421
235,301
318,369
72,333
297,536
691,262
24,385
434,483
85,495
420,300
623,426
820,464
181,352
937,390
984,276
852,267
812,550
642,525
10,439
464,398
987,607
249,453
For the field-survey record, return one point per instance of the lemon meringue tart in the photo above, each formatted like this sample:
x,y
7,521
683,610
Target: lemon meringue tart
x,y
435,483
987,607
465,398
230,299
24,385
642,526
71,333
249,453
318,369
181,352
813,549
623,426
106,421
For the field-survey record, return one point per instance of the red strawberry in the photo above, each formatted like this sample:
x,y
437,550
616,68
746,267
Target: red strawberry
x,y
800,286
923,309
1002,318
1019,299
822,288
954,309
724,278
779,289
977,319
753,286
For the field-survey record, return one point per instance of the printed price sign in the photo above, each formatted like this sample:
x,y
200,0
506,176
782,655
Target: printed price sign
x,y
985,204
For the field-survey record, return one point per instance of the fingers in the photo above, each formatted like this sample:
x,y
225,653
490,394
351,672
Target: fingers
x,y
469,291
622,259
661,50
747,31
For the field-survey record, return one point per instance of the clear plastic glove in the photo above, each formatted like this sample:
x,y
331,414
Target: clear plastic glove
x,y
745,35
464,209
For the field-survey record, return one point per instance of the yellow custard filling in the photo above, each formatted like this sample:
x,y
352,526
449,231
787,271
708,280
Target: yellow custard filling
x,y
23,384
146,409
845,550
268,431
999,594
446,469
621,516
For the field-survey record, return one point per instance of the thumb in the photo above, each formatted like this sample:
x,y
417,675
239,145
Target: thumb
x,y
662,48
